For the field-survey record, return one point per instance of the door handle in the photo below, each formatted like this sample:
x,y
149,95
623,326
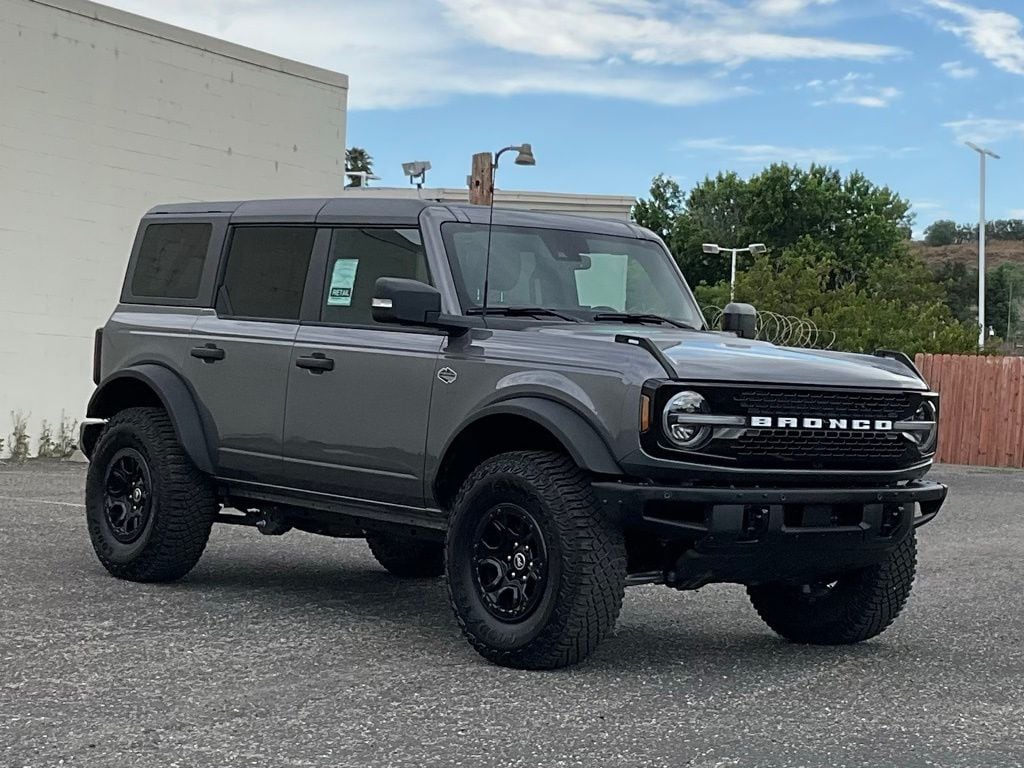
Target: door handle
x,y
318,362
208,353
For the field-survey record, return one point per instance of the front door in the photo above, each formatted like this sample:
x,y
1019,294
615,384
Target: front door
x,y
240,357
359,392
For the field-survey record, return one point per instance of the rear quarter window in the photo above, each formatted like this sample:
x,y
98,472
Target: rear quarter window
x,y
171,261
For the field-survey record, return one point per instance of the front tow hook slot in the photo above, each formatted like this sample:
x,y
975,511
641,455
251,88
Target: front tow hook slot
x,y
892,516
755,521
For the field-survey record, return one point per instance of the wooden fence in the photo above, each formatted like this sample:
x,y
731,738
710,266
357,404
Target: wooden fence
x,y
981,410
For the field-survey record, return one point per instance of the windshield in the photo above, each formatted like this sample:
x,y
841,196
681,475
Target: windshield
x,y
578,273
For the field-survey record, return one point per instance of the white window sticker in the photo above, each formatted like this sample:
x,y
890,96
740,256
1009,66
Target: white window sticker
x,y
342,279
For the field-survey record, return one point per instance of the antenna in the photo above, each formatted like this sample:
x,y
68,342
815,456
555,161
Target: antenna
x,y
524,157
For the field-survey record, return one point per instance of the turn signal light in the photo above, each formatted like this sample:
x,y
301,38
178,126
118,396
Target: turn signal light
x,y
645,413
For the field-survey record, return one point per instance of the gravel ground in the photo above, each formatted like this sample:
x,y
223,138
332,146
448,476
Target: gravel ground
x,y
301,651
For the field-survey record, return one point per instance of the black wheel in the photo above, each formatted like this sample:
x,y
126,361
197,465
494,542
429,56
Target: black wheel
x,y
852,608
149,510
407,557
535,572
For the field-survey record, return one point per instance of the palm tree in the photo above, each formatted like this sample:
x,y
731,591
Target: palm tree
x,y
358,160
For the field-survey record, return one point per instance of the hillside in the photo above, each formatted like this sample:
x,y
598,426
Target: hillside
x,y
996,252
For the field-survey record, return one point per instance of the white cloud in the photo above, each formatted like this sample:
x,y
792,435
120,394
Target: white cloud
x,y
958,71
642,31
853,88
786,7
996,35
769,153
986,130
1017,213
407,53
738,152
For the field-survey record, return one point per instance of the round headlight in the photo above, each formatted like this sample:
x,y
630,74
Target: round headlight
x,y
681,431
926,438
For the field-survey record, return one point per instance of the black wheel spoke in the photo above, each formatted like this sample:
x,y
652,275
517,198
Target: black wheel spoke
x,y
509,562
127,498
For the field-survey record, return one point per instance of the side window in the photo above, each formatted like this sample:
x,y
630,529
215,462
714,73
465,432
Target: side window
x,y
357,258
171,260
265,272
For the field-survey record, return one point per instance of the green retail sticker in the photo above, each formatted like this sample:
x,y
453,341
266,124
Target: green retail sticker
x,y
342,279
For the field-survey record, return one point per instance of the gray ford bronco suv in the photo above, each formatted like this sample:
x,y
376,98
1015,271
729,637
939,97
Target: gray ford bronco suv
x,y
534,407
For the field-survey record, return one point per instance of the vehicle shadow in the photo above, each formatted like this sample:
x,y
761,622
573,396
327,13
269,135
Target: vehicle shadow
x,y
709,638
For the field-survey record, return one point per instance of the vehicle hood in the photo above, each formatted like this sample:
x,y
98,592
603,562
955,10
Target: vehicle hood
x,y
713,356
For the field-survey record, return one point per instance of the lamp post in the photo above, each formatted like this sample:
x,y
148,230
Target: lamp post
x,y
753,248
984,154
485,166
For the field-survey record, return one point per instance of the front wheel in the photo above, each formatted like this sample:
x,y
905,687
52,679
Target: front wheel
x,y
536,572
854,607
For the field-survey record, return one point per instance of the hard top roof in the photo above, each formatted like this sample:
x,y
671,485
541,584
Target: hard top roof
x,y
388,211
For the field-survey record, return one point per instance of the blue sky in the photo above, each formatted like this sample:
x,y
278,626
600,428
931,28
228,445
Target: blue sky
x,y
612,92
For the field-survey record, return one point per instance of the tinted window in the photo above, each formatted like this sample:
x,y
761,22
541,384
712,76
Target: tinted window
x,y
171,259
266,272
358,258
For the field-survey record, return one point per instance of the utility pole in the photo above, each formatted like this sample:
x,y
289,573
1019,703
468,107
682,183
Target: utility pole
x,y
481,179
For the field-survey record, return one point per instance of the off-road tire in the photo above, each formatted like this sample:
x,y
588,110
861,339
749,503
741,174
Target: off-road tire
x,y
858,607
407,557
183,500
586,559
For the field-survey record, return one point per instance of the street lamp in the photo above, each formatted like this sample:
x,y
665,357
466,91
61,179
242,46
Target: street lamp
x,y
984,154
754,249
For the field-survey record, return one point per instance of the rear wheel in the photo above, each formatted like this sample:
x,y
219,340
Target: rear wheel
x,y
407,557
149,509
536,572
854,607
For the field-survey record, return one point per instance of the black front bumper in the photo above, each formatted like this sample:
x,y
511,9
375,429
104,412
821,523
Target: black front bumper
x,y
756,535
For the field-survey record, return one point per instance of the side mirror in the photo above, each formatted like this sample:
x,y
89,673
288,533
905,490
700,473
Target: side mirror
x,y
740,319
410,302
407,302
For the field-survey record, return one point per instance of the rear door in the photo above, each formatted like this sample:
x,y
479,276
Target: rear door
x,y
240,355
169,282
359,392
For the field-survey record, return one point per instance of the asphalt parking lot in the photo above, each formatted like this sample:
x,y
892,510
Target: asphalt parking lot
x,y
302,651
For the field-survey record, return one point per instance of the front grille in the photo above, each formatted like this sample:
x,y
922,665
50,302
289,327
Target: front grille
x,y
807,446
835,404
801,448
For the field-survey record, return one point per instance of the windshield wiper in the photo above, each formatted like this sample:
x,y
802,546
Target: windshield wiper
x,y
630,317
521,312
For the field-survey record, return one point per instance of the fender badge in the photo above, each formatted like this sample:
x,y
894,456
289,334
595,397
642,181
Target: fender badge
x,y
447,375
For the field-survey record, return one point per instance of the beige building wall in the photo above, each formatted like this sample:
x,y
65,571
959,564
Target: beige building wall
x,y
102,115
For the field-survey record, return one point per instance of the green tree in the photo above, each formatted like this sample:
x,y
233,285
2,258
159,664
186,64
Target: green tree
x,y
661,212
942,232
1003,288
961,285
858,223
897,305
358,160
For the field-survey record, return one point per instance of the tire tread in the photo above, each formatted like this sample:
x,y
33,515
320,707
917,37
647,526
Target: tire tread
x,y
593,560
185,500
870,603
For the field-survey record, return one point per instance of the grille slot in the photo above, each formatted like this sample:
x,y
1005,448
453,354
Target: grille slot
x,y
781,402
809,446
